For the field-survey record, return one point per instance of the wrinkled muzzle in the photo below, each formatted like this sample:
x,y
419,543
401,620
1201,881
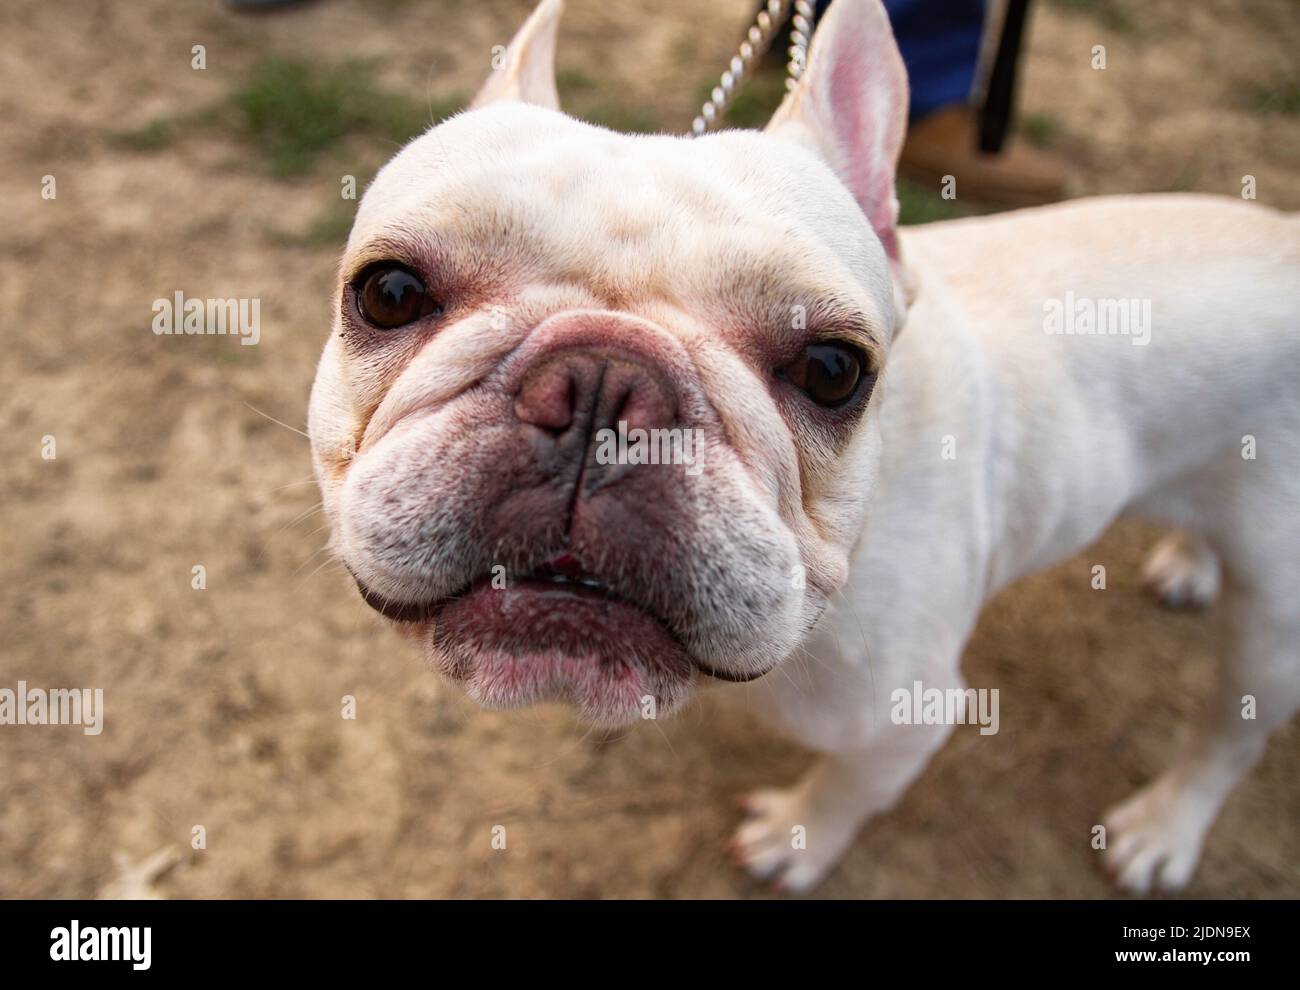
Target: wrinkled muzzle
x,y
574,527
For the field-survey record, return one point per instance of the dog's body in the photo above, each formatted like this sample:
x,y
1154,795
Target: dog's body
x,y
1051,438
567,279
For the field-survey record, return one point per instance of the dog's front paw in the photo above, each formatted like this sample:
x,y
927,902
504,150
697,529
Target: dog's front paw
x,y
1153,840
1182,573
783,841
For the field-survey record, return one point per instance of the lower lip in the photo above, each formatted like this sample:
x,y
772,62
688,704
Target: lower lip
x,y
542,641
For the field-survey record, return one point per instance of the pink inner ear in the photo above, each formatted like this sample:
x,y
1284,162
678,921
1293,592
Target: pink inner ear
x,y
865,107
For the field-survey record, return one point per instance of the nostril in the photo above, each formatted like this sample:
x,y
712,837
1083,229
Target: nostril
x,y
636,397
547,398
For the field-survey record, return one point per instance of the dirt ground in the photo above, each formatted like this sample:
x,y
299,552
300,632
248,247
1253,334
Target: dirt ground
x,y
223,704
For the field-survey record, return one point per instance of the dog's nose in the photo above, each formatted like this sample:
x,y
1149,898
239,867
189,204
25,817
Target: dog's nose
x,y
590,391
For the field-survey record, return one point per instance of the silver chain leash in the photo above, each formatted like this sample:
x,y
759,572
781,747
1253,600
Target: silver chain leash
x,y
756,42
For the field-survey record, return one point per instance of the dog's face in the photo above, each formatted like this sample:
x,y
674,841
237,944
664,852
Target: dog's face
x,y
522,291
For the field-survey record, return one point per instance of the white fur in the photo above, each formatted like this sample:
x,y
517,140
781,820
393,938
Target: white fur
x,y
1055,438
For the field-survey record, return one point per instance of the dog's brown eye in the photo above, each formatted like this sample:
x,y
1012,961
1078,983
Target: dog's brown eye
x,y
390,297
829,373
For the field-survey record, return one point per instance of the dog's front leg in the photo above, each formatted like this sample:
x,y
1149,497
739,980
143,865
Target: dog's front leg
x,y
794,836
837,699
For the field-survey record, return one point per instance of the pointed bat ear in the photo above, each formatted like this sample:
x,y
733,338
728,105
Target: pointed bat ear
x,y
526,70
850,107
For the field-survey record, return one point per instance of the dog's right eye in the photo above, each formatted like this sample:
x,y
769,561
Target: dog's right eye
x,y
390,296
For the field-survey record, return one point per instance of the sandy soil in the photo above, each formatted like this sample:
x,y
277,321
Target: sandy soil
x,y
223,705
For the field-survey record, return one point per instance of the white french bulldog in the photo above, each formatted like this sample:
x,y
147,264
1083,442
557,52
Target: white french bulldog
x,y
891,426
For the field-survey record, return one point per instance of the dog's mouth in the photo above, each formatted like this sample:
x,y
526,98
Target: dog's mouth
x,y
565,573
561,575
554,631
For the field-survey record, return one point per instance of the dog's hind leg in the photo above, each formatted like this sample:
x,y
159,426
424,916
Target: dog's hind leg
x,y
1154,839
1182,572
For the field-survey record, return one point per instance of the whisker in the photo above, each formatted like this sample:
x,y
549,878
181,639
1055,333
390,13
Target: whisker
x,y
538,720
276,421
315,553
295,484
261,556
301,516
324,564
668,741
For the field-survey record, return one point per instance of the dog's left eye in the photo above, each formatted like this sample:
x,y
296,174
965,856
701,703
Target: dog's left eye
x,y
828,372
390,296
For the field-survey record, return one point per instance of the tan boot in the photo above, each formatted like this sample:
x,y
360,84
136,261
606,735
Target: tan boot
x,y
945,143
